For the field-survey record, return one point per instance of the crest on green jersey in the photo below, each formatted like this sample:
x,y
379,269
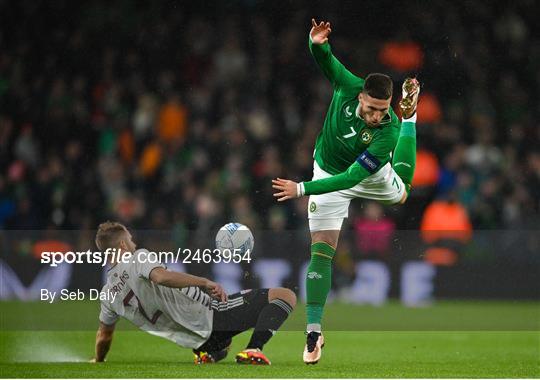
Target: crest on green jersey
x,y
349,111
312,207
366,136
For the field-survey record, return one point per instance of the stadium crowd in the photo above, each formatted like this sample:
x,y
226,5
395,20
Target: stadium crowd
x,y
178,115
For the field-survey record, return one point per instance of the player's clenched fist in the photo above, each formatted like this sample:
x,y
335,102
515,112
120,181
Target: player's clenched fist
x,y
216,291
319,32
286,189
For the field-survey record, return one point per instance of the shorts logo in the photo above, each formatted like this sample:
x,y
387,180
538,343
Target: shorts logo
x,y
314,276
312,207
366,136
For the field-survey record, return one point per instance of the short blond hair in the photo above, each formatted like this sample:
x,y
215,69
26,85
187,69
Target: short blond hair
x,y
110,234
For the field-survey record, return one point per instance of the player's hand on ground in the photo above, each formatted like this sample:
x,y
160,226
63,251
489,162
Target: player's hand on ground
x,y
319,32
286,189
216,291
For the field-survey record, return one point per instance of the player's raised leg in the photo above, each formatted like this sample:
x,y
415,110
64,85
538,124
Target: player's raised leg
x,y
404,159
281,302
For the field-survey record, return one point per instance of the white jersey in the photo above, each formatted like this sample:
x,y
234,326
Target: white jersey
x,y
183,316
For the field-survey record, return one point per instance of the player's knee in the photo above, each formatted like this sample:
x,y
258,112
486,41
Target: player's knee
x,y
328,237
403,198
284,294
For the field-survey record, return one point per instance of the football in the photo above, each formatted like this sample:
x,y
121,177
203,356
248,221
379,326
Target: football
x,y
235,236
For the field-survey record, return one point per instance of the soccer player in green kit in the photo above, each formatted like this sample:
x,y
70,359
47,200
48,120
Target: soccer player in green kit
x,y
363,151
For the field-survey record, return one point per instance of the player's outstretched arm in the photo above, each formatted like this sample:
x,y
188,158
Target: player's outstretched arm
x,y
332,68
366,164
180,280
104,338
288,189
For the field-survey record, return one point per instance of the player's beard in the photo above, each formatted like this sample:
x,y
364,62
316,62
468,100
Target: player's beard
x,y
369,124
372,124
361,114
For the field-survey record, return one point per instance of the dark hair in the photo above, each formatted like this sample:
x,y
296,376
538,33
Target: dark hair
x,y
109,235
378,86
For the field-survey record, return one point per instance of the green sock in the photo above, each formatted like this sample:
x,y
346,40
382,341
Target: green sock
x,y
318,282
404,160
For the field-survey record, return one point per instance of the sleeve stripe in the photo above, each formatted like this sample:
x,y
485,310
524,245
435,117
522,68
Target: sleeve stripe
x,y
368,161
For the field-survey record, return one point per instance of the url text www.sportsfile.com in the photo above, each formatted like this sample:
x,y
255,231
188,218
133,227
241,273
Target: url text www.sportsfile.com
x,y
182,255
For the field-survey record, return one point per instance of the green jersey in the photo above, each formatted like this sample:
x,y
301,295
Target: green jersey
x,y
347,147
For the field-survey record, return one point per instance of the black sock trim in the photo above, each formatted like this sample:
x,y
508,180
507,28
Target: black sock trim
x,y
284,305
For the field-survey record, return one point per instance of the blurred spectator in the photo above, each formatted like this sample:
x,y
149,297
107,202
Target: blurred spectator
x,y
144,117
230,60
172,120
484,156
373,232
403,56
126,146
7,204
242,212
26,147
446,219
151,159
429,109
427,169
445,228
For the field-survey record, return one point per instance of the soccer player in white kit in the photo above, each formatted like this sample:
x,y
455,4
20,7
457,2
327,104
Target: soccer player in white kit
x,y
191,311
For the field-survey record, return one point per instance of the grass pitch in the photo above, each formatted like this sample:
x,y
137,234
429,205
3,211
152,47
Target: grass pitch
x,y
459,339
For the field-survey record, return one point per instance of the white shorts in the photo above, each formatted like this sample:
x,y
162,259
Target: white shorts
x,y
327,211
